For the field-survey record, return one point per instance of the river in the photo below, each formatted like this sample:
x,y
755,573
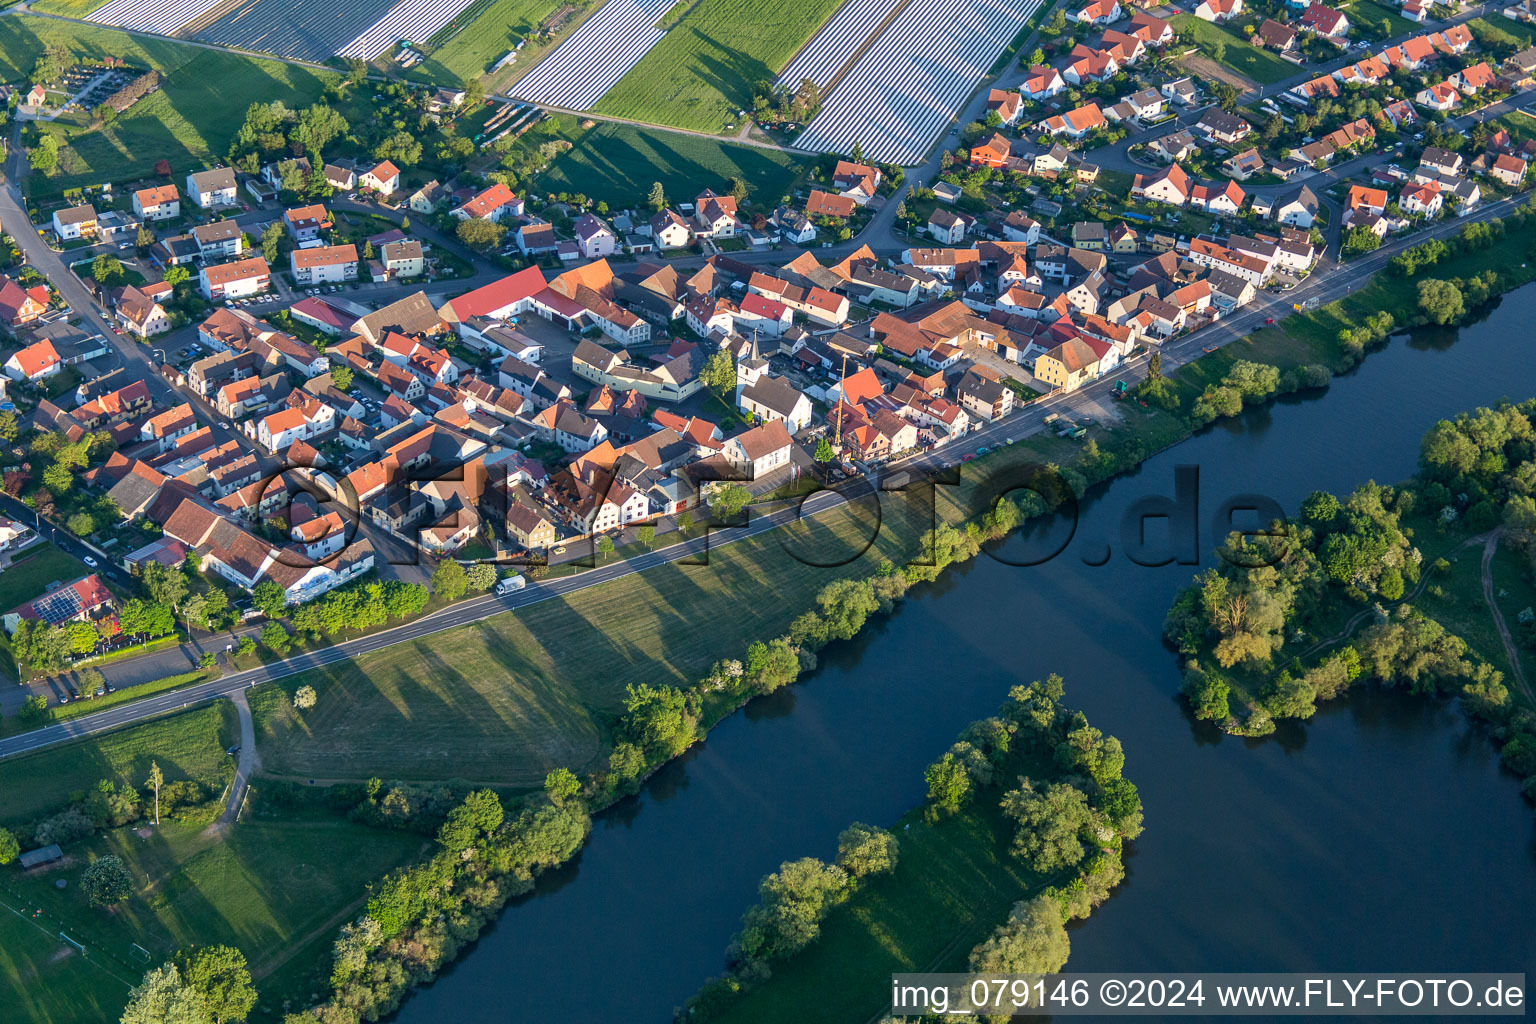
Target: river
x,y
1380,835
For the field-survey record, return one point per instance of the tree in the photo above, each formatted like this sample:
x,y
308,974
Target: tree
x,y
10,849
1226,92
645,534
268,596
144,239
316,127
1058,23
685,521
45,155
866,850
948,784
218,976
106,269
1032,941
480,234
478,816
402,148
727,500
245,646
449,581
162,998
561,785
605,546
1441,301
1360,239
719,373
658,197
155,781
177,276
164,584
81,524
304,697
106,881
269,241
275,637
341,376
1051,822
824,451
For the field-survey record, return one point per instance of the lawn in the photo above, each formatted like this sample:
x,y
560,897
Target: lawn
x,y
45,981
1524,33
490,33
265,888
1369,13
1241,56
187,745
618,163
190,121
42,564
953,883
506,700
702,72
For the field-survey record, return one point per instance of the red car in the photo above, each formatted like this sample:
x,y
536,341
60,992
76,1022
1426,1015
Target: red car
x,y
1268,321
967,458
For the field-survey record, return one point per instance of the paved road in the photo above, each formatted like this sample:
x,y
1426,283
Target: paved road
x,y
464,613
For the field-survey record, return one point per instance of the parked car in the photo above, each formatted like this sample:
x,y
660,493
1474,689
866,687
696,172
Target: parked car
x,y
88,560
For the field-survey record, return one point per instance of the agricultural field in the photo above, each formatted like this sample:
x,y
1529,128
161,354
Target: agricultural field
x,y
1249,61
597,55
65,8
488,33
187,745
160,16
901,93
829,50
504,701
414,20
701,75
617,163
300,29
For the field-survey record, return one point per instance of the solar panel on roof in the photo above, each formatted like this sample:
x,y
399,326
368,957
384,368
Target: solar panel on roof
x,y
60,606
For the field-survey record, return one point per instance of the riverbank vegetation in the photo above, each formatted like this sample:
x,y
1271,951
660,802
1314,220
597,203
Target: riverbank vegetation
x,y
1343,595
1022,832
611,681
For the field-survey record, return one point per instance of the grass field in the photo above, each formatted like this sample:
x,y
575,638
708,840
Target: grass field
x,y
189,122
266,888
40,565
482,41
45,981
1517,29
66,8
1241,56
702,72
953,883
188,745
618,163
506,700
1370,14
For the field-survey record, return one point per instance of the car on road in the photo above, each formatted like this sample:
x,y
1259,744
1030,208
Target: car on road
x,y
967,457
982,450
1268,320
225,426
88,560
63,698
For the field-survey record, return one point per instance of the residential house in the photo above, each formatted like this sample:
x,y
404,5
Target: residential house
x,y
1442,96
1043,82
1217,197
383,177
328,264
1508,169
759,451
1272,35
1074,123
1006,103
984,398
1423,199
496,203
234,280
35,362
861,182
403,259
945,226
75,222
825,204
159,202
1218,10
139,314
669,230
1170,185
774,398
1219,126
305,223
1324,21
218,239
20,306
1297,208
213,188
1096,12
594,238
1174,147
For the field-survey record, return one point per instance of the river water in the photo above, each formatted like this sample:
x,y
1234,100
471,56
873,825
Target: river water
x,y
1380,835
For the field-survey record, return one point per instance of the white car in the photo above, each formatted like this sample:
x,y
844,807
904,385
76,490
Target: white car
x,y
88,560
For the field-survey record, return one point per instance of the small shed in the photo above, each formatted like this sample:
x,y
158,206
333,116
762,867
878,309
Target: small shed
x,y
40,856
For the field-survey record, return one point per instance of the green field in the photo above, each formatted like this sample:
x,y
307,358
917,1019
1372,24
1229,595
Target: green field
x,y
1241,56
188,745
66,8
1370,14
506,700
189,122
702,72
40,565
482,41
45,981
1519,30
266,888
618,163
953,883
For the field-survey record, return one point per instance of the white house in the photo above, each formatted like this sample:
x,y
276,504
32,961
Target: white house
x,y
212,188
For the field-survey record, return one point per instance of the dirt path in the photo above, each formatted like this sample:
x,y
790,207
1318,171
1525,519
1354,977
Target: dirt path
x,y
1360,616
247,765
1511,651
